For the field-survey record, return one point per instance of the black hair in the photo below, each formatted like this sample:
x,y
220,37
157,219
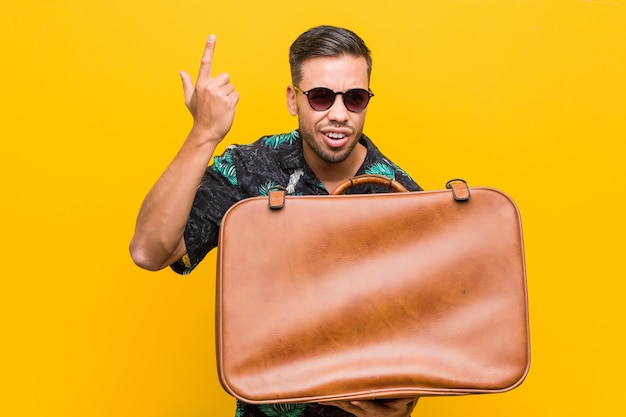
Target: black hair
x,y
326,41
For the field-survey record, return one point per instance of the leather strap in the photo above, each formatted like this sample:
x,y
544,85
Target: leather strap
x,y
460,190
277,197
369,179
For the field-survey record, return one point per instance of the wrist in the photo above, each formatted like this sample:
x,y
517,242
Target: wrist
x,y
201,143
204,136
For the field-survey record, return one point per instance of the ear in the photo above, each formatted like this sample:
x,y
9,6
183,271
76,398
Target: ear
x,y
292,104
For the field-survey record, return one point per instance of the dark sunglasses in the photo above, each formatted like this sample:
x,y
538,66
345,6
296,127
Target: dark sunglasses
x,y
322,98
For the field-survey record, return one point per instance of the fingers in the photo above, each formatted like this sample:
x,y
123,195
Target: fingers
x,y
401,407
206,63
223,84
211,101
204,76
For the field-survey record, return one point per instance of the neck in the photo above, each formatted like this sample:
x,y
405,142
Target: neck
x,y
333,174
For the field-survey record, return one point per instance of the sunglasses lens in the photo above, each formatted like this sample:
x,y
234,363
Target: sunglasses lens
x,y
356,100
321,98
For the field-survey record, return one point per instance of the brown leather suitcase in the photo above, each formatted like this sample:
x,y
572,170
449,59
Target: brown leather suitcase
x,y
372,296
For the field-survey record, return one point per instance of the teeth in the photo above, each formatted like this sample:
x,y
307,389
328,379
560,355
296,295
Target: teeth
x,y
335,135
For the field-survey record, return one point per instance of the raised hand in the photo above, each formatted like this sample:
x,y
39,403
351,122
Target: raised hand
x,y
158,240
212,101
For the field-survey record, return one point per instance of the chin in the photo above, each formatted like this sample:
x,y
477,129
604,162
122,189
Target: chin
x,y
335,157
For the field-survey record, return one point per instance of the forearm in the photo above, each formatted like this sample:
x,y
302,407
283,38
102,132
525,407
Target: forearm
x,y
158,240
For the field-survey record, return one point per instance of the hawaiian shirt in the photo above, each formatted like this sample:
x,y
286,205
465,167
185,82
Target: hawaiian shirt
x,y
245,171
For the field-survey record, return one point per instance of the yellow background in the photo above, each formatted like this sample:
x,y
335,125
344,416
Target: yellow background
x,y
528,96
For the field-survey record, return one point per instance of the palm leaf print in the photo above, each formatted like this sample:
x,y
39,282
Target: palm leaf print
x,y
282,410
276,140
264,189
403,172
381,169
239,409
224,165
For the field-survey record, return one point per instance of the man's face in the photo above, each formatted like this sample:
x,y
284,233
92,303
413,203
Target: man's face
x,y
329,136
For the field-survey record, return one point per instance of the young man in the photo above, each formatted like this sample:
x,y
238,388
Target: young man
x,y
178,223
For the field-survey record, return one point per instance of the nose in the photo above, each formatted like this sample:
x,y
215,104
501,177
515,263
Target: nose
x,y
338,111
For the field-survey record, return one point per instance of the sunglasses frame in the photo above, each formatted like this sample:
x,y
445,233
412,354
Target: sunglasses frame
x,y
370,94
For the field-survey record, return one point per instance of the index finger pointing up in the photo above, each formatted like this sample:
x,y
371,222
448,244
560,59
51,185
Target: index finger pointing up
x,y
207,59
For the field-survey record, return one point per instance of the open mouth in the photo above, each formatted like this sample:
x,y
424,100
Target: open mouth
x,y
336,139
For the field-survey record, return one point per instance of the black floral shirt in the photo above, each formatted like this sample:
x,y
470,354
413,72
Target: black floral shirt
x,y
245,171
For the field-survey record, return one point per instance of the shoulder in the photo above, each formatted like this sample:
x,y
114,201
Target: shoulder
x,y
266,153
267,144
262,164
377,163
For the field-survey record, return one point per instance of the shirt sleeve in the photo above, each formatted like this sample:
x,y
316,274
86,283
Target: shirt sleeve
x,y
217,192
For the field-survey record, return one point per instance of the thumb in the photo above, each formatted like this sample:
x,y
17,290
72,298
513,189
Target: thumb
x,y
187,86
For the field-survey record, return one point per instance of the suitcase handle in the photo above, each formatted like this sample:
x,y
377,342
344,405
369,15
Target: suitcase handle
x,y
369,179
